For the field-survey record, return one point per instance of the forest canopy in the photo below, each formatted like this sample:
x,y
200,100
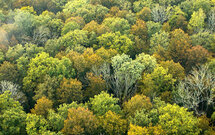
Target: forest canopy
x,y
107,67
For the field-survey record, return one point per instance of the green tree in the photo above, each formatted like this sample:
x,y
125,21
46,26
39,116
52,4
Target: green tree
x,y
74,38
159,14
136,103
161,39
205,39
15,52
144,117
25,22
12,116
8,72
104,102
126,73
43,65
117,24
175,69
153,28
122,43
112,123
197,21
70,26
157,82
48,89
145,14
177,120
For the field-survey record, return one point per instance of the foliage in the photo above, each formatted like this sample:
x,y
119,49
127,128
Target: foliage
x,y
8,72
122,43
43,65
117,24
42,107
136,103
12,116
126,73
157,82
161,39
196,91
103,103
70,90
80,121
177,120
196,23
113,124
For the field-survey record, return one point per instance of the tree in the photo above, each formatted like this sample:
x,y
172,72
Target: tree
x,y
80,121
159,14
204,39
196,56
52,46
148,61
138,5
122,43
106,3
196,91
177,120
103,103
25,22
152,85
137,130
16,94
140,29
197,21
178,20
175,69
112,123
86,61
211,65
136,103
12,116
41,35
70,90
153,28
117,24
161,39
74,38
55,121
48,89
62,110
126,73
92,12
15,52
145,118
8,72
37,124
55,26
145,14
179,45
211,20
70,26
43,65
95,85
42,107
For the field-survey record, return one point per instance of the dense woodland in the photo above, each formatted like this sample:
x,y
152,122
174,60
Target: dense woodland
x,y
107,67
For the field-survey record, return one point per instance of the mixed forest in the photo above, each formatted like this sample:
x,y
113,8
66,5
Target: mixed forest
x,y
107,67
